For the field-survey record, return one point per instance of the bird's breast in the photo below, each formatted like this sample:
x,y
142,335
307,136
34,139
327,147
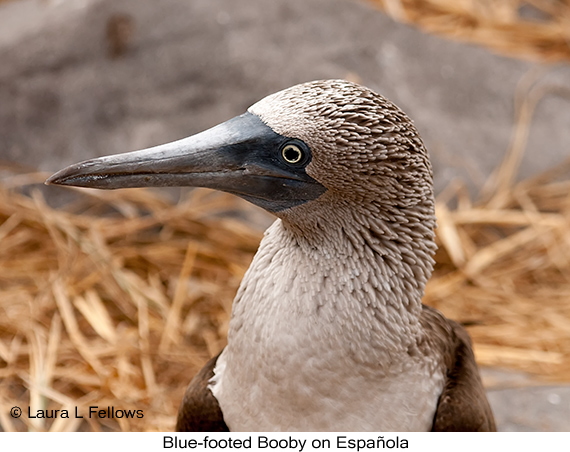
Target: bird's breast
x,y
302,393
311,348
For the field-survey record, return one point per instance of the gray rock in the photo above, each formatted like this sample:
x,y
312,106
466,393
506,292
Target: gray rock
x,y
520,403
85,78
535,408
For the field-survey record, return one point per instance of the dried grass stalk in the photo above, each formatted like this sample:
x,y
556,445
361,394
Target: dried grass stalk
x,y
530,29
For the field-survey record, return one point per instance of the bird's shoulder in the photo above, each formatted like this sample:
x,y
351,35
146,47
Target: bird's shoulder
x,y
199,410
463,404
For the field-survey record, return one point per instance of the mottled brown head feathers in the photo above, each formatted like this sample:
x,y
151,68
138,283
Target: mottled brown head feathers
x,y
368,154
364,147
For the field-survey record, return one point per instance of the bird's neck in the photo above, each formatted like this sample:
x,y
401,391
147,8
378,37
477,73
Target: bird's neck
x,y
326,325
353,290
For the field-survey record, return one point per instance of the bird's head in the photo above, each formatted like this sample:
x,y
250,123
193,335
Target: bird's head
x,y
325,143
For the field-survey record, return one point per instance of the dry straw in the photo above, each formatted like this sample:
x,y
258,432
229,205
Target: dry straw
x,y
114,301
118,299
532,29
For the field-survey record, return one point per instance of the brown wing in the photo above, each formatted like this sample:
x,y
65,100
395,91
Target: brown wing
x,y
199,410
463,405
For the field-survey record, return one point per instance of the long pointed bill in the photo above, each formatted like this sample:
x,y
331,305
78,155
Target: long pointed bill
x,y
240,156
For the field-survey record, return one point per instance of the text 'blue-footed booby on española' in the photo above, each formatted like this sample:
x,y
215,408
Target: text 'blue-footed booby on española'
x,y
328,332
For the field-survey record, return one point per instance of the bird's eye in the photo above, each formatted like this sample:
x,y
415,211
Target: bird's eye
x,y
292,153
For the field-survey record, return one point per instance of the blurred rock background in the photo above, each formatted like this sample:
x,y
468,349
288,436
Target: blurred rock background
x,y
83,78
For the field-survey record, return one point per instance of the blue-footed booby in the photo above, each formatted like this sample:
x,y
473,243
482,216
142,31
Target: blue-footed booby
x,y
328,332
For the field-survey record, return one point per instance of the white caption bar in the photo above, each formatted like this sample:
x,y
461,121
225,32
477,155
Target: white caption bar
x,y
283,442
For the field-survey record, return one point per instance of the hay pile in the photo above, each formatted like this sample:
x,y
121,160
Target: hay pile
x,y
118,299
531,29
503,268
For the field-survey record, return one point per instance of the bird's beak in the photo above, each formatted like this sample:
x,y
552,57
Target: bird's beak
x,y
239,156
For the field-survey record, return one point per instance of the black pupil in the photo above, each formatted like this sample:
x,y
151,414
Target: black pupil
x,y
292,154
